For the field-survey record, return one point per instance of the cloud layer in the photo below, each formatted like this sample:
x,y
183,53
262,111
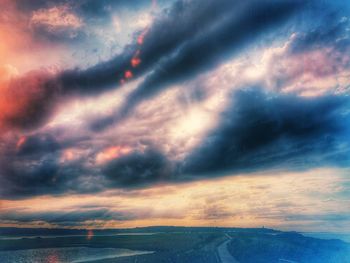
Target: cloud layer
x,y
111,95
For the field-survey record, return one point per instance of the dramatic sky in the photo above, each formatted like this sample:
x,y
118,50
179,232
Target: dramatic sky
x,y
131,113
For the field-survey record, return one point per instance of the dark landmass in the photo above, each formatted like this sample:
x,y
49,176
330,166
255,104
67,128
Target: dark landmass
x,y
187,244
287,247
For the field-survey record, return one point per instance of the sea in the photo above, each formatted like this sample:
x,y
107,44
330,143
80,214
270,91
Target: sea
x,y
65,255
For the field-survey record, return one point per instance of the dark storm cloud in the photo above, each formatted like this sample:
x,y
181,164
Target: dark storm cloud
x,y
63,217
184,40
334,34
37,144
33,165
138,169
238,27
259,131
184,20
36,168
27,177
22,177
174,27
262,131
206,50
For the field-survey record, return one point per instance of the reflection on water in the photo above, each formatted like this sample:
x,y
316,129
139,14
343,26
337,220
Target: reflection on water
x,y
91,234
52,259
64,255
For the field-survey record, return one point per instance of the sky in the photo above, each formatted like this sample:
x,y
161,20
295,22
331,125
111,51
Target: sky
x,y
135,113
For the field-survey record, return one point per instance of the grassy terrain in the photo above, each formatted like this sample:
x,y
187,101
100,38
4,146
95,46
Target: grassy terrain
x,y
199,248
287,247
167,257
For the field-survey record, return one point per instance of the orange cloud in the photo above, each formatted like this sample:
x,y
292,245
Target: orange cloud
x,y
111,153
68,155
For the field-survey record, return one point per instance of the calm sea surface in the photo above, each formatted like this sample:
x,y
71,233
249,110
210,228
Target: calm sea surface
x,y
64,255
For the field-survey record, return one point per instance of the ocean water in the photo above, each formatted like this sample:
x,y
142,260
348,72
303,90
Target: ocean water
x,y
65,255
55,236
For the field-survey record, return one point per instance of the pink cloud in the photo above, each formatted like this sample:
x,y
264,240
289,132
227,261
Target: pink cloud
x,y
56,18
